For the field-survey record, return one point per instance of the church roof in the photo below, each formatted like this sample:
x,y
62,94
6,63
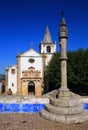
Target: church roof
x,y
31,52
47,36
11,67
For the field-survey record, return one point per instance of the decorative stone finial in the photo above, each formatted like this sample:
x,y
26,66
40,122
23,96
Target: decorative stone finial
x,y
63,32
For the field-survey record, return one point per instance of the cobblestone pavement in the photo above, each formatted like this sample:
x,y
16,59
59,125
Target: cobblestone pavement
x,y
22,121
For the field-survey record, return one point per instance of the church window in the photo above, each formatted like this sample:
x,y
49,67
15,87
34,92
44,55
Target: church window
x,y
12,71
31,60
12,84
48,49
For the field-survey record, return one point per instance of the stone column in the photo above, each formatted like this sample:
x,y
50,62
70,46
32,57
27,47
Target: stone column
x,y
43,71
6,84
63,59
19,74
24,88
63,36
38,89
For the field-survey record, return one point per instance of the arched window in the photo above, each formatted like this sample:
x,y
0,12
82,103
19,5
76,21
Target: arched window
x,y
12,84
48,49
12,71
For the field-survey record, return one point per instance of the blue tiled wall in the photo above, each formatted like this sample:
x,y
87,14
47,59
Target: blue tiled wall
x,y
1,107
27,108
12,108
85,106
31,108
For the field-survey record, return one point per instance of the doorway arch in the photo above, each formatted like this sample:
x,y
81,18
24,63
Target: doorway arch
x,y
31,88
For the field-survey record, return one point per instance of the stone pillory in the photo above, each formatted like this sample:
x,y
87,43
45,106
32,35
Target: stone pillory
x,y
63,35
68,107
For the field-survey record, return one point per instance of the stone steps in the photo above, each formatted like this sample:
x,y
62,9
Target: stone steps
x,y
65,119
64,110
65,102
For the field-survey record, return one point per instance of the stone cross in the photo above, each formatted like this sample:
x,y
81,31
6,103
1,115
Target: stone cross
x,y
31,45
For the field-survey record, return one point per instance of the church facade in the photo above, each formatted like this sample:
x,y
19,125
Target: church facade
x,y
27,76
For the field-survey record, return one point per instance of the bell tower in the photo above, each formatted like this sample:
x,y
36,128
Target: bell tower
x,y
47,46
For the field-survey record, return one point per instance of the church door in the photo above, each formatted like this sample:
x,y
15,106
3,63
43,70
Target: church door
x,y
31,88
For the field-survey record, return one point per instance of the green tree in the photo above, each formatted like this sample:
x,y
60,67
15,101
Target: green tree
x,y
52,72
77,74
77,71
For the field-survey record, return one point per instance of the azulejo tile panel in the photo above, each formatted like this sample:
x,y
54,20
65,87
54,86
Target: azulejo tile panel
x,y
14,107
11,107
32,108
1,107
85,106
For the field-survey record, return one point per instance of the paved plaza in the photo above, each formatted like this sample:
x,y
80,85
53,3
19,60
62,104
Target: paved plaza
x,y
22,121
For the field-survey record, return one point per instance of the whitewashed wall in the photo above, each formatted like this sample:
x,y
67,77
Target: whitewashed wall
x,y
12,78
25,64
44,48
48,58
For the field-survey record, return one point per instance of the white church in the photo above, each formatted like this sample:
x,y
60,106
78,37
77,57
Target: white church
x,y
27,76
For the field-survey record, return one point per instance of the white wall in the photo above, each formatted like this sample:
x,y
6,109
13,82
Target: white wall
x,y
25,64
12,78
48,58
44,47
44,50
31,54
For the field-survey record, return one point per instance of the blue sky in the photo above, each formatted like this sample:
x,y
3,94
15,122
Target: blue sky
x,y
23,22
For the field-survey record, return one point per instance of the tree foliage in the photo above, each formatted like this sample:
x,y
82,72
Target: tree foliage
x,y
52,72
77,71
